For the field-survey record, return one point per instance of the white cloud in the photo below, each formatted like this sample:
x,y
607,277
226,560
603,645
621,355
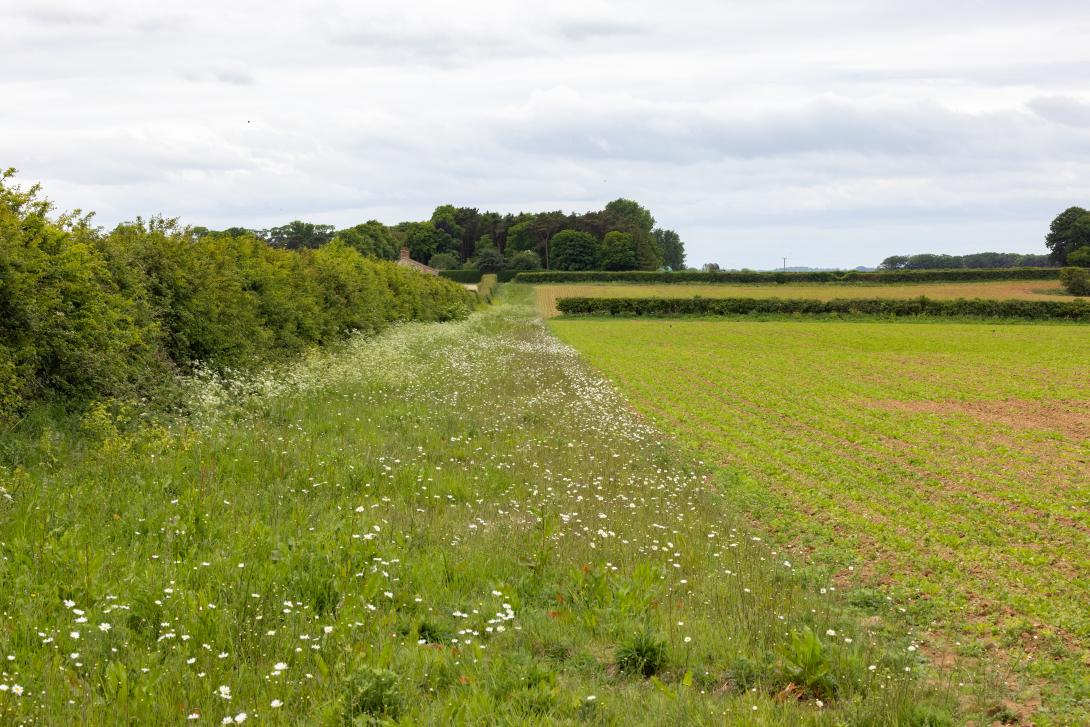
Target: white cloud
x,y
834,133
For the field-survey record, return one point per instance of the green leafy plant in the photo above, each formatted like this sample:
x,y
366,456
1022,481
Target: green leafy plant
x,y
644,654
372,691
805,663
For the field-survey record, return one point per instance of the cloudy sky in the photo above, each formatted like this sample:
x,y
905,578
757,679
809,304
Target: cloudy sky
x,y
834,133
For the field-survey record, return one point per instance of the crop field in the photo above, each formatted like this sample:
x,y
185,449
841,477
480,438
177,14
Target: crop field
x,y
455,523
547,295
945,464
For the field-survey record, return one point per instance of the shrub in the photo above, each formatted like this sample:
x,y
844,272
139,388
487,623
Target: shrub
x,y
525,260
644,654
1076,280
886,307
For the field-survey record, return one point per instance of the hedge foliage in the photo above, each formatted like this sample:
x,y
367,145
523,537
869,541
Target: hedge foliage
x,y
487,288
86,315
824,276
1076,280
474,276
962,307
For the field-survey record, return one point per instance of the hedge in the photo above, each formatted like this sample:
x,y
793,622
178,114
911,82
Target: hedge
x,y
86,315
824,276
474,276
486,288
962,307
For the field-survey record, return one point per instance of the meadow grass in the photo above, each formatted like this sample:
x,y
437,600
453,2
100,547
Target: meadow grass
x,y
947,465
453,523
547,295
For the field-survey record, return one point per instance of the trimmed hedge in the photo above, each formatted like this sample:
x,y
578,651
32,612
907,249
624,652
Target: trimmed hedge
x,y
825,276
486,288
474,276
962,307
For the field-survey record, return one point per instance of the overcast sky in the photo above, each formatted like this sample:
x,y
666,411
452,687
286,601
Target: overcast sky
x,y
834,133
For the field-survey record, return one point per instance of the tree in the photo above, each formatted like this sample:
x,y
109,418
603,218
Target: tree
x,y
297,235
490,260
573,250
443,261
1069,231
673,250
629,216
893,262
424,239
372,239
618,251
1080,257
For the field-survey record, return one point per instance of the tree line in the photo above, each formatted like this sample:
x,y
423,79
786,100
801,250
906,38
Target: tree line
x,y
975,261
621,236
87,314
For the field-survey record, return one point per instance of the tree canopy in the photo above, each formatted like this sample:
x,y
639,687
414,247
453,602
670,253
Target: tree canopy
x,y
1069,231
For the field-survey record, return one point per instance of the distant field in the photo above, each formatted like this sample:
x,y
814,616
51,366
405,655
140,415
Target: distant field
x,y
948,463
547,295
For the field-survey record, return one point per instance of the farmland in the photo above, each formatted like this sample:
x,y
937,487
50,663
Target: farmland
x,y
454,523
948,464
547,295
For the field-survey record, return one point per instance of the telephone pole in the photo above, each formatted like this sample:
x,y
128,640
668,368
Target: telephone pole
x,y
785,265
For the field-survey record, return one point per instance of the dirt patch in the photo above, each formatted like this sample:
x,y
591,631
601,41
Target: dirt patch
x,y
1068,417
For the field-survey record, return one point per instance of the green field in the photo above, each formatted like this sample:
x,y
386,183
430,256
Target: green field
x,y
547,295
945,464
450,523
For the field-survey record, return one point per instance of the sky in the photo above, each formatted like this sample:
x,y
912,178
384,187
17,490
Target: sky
x,y
831,133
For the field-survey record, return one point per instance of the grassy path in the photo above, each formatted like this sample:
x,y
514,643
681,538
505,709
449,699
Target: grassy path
x,y
448,524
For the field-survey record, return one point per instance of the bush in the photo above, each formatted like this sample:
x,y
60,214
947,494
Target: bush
x,y
753,276
887,307
1076,280
443,261
525,260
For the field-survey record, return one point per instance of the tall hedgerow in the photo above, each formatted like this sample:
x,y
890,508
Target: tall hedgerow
x,y
87,315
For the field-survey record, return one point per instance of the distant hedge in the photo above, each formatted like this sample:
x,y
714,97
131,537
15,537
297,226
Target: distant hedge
x,y
825,276
962,307
487,288
474,276
86,315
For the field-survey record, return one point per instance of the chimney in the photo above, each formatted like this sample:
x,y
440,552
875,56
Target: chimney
x,y
404,253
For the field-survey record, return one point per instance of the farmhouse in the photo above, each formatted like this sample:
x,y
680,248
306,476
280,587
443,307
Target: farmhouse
x,y
408,262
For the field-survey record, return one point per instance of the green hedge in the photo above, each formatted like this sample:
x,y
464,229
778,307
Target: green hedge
x,y
850,276
86,315
487,287
962,307
474,276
